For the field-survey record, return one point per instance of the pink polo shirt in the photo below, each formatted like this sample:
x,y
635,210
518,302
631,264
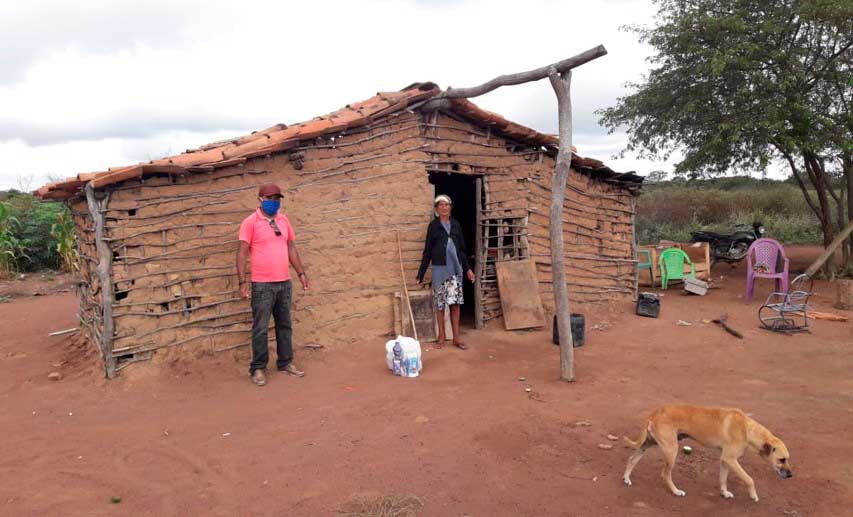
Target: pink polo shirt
x,y
268,251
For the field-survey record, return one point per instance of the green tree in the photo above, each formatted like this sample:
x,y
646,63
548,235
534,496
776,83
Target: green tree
x,y
739,84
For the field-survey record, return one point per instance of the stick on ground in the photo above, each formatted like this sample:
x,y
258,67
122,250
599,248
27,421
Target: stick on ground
x,y
61,332
722,322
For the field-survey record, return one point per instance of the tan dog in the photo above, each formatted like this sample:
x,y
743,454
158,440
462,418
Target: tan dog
x,y
727,429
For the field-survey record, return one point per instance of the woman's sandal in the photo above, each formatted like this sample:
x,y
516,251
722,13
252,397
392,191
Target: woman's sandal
x,y
461,346
438,345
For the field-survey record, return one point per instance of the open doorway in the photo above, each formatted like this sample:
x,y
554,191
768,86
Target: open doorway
x,y
462,189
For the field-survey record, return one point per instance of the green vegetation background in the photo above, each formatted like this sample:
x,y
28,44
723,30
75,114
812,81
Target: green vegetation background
x,y
673,209
34,235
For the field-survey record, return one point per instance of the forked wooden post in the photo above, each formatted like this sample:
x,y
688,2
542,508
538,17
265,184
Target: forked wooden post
x,y
105,265
562,84
560,75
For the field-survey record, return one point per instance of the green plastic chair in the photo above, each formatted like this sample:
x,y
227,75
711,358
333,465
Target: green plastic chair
x,y
644,261
672,266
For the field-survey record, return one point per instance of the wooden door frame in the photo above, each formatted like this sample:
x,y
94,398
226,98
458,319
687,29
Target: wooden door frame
x,y
481,234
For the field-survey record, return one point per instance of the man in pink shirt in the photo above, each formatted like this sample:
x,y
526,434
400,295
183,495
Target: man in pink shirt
x,y
268,239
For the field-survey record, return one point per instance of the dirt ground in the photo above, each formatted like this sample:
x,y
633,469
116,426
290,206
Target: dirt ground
x,y
465,438
36,284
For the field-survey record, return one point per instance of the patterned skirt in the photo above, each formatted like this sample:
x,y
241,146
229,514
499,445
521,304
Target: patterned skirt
x,y
448,293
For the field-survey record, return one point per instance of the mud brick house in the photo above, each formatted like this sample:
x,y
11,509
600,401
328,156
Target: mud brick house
x,y
157,240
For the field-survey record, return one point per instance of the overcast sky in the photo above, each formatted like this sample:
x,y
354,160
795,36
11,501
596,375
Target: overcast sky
x,y
103,83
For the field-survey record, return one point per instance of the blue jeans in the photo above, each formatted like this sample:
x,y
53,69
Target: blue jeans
x,y
271,298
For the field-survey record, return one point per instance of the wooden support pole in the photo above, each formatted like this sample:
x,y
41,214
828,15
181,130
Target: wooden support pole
x,y
479,243
848,172
104,270
561,82
830,250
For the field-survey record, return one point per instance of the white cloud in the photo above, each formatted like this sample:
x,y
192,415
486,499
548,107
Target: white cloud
x,y
117,81
35,165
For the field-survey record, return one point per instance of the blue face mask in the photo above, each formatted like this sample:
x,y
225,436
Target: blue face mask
x,y
270,206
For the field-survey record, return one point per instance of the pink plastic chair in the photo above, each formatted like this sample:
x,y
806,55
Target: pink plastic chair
x,y
763,261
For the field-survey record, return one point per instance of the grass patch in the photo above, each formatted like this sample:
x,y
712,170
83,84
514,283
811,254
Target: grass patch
x,y
382,506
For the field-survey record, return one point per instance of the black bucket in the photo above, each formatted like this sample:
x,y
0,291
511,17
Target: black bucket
x,y
648,305
578,323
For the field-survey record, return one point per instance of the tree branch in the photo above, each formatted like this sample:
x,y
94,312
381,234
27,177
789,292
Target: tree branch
x,y
796,173
523,77
833,193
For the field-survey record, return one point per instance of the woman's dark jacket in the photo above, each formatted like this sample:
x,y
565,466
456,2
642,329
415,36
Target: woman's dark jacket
x,y
435,246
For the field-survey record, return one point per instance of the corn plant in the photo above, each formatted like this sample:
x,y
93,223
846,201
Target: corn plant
x,y
66,241
11,248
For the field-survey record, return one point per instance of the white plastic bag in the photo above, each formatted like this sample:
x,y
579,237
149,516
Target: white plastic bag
x,y
389,353
412,351
411,355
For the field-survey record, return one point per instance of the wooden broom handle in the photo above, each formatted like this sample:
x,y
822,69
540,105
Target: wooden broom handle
x,y
406,289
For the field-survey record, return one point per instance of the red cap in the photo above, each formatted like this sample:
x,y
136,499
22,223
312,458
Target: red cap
x,y
269,189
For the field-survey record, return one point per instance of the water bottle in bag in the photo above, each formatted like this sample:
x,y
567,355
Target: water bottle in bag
x,y
397,364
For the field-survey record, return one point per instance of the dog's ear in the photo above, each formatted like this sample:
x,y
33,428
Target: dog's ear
x,y
766,450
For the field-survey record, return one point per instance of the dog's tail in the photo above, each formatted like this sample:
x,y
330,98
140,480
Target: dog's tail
x,y
636,444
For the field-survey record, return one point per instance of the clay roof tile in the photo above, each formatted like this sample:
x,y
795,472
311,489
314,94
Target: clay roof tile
x,y
280,137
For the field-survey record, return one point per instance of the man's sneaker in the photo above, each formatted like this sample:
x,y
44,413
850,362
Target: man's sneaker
x,y
291,370
259,378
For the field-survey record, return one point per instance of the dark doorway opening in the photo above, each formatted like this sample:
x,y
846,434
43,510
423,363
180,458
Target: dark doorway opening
x,y
462,189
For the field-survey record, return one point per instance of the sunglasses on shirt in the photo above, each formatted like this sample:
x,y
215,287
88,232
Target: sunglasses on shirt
x,y
275,227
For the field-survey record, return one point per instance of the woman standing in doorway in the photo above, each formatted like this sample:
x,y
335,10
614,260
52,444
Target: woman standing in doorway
x,y
444,247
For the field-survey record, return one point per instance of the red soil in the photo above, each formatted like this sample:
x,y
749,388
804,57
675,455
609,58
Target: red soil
x,y
466,438
35,284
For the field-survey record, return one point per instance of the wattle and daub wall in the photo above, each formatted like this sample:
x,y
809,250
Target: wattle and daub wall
x,y
174,239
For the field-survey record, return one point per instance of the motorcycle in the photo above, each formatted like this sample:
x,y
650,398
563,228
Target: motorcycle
x,y
730,248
